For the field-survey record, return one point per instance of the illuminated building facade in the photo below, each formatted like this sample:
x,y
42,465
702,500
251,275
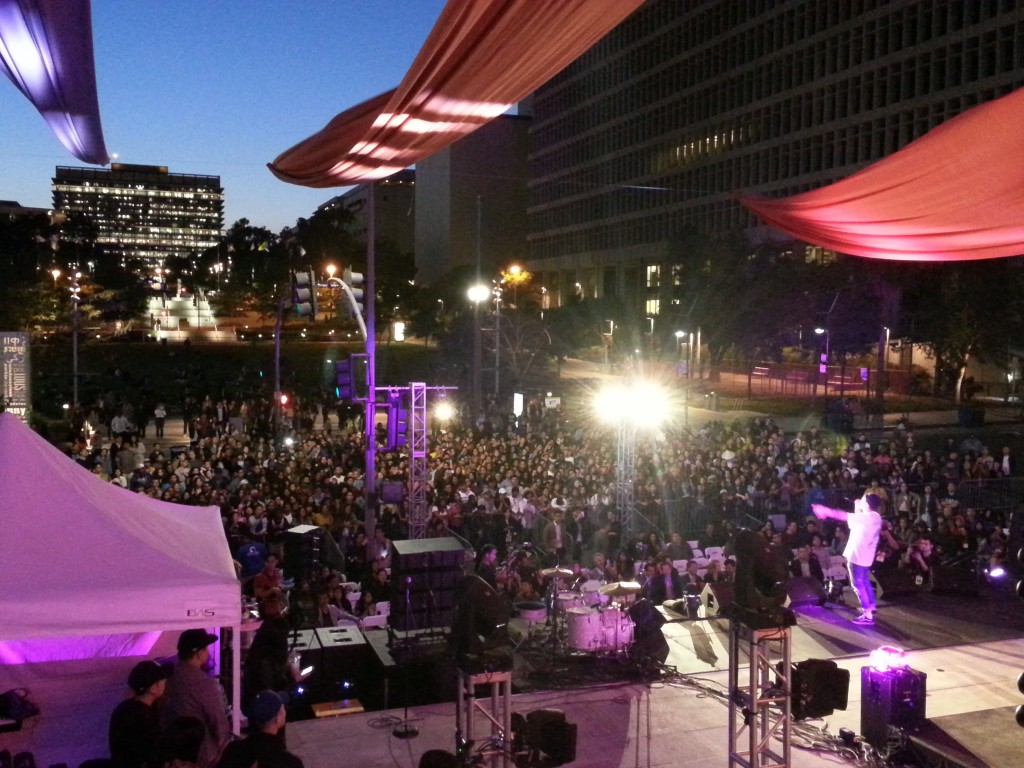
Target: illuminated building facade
x,y
654,131
142,211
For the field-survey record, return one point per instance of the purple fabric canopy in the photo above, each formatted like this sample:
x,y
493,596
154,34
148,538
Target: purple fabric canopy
x,y
46,51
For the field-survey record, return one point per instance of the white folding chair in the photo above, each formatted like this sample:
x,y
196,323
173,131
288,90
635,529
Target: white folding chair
x,y
383,608
374,622
679,565
713,553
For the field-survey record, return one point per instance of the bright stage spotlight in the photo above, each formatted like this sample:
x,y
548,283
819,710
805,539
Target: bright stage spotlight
x,y
444,411
641,404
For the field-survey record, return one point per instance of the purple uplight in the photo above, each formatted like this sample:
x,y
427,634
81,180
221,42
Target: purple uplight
x,y
887,657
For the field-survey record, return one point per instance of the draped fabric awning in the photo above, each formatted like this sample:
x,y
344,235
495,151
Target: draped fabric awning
x,y
956,193
481,57
46,51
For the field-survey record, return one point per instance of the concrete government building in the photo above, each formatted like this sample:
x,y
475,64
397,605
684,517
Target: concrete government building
x,y
656,129
143,211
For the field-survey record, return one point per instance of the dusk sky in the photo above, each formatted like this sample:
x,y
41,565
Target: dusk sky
x,y
221,88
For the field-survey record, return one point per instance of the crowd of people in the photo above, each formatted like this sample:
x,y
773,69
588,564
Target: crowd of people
x,y
544,486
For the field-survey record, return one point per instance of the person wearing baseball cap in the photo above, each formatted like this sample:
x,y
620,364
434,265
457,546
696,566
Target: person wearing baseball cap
x,y
191,692
135,725
264,745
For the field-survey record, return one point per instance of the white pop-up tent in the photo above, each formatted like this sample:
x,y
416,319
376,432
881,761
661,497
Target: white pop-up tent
x,y
88,568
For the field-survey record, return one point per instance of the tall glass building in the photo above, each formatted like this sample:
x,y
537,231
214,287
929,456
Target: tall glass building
x,y
655,130
143,211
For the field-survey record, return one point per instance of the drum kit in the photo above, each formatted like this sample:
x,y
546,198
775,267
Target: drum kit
x,y
590,617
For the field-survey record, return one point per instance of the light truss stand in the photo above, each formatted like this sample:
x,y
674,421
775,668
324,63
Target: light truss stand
x,y
499,715
418,476
625,476
760,705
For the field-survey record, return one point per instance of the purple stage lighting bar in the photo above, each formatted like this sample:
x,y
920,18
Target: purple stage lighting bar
x,y
46,51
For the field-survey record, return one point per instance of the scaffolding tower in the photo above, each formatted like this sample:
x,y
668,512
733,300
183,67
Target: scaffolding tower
x,y
625,476
760,706
418,476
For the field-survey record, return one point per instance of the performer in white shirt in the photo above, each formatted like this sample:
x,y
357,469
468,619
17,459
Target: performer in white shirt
x,y
865,525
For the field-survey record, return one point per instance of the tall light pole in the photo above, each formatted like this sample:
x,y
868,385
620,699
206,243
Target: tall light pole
x,y
497,340
826,359
477,294
331,269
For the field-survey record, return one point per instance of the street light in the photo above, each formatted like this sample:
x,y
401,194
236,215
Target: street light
x,y
56,273
331,269
477,294
823,366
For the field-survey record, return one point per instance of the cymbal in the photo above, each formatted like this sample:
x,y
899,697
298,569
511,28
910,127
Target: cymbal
x,y
563,573
620,588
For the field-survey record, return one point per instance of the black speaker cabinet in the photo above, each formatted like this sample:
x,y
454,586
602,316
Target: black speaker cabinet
x,y
894,697
715,598
344,650
805,590
549,733
424,575
303,551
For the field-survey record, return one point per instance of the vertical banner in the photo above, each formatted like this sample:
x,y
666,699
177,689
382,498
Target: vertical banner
x,y
15,374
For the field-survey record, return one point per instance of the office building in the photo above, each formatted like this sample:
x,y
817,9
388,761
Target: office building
x,y
394,208
144,212
654,131
471,200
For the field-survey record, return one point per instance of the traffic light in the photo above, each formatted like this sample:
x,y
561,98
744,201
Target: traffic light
x,y
398,421
352,377
304,294
354,280
344,371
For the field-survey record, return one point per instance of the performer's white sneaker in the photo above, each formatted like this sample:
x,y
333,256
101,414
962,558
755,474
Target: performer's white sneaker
x,y
864,618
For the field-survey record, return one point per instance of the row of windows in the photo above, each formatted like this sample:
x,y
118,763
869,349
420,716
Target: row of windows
x,y
732,160
664,102
618,166
759,29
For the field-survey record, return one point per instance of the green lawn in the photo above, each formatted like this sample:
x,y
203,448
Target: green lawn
x,y
162,372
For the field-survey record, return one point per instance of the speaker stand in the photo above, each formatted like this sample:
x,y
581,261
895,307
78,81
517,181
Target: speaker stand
x,y
405,730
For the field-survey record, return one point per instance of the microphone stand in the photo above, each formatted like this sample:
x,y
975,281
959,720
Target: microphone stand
x,y
405,730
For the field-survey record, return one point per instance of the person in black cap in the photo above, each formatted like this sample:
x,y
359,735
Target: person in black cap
x,y
135,724
263,745
192,693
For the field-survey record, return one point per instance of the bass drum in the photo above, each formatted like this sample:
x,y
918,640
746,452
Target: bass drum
x,y
586,632
616,629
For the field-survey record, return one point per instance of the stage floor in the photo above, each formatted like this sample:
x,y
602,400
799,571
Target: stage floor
x,y
971,652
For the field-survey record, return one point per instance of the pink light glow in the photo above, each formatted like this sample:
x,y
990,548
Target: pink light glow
x,y
72,648
888,657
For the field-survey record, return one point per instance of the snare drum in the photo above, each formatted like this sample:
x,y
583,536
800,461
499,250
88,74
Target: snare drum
x,y
532,612
585,630
566,600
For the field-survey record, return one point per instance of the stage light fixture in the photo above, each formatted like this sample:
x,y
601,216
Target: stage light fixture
x,y
888,657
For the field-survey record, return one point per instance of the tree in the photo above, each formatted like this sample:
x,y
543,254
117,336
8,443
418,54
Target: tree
x,y
967,310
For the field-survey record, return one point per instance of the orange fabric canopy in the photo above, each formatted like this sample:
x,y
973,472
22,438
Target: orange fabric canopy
x,y
957,193
481,58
